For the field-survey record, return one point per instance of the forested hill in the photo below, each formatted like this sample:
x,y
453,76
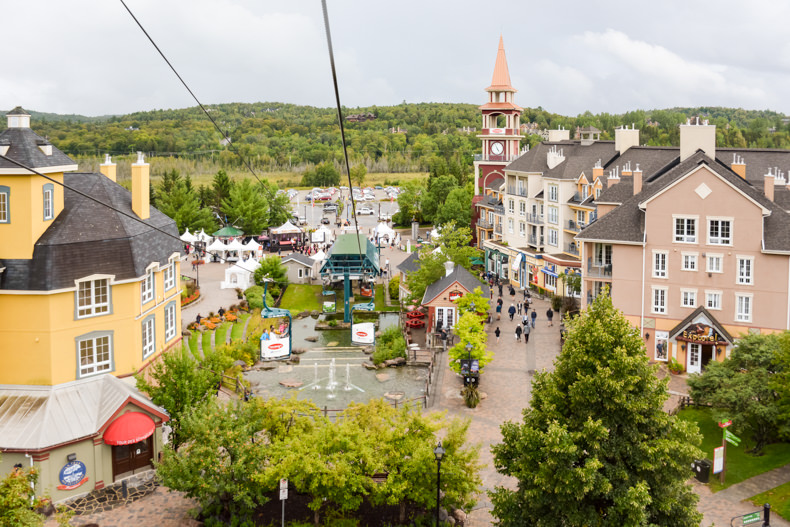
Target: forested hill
x,y
401,138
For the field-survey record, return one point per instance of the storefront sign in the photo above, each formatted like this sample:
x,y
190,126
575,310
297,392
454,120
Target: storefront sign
x,y
701,333
455,295
72,475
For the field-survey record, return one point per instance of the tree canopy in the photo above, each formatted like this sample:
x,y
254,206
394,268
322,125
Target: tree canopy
x,y
595,448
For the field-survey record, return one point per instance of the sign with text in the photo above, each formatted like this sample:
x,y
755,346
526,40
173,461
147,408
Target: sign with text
x,y
72,475
753,517
283,489
731,438
718,459
701,333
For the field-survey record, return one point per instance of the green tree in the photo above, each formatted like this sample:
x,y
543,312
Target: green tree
x,y
183,206
179,383
220,189
16,493
457,207
410,202
741,388
324,175
271,268
358,173
471,330
247,207
595,447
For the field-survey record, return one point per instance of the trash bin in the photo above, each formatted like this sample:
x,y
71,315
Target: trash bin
x,y
701,469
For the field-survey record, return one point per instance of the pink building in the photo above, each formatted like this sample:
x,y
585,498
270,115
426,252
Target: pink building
x,y
693,244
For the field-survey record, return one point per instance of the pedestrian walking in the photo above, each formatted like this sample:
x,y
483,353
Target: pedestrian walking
x,y
498,311
526,306
525,293
500,289
526,333
550,315
512,293
497,332
525,319
518,308
511,311
518,333
534,316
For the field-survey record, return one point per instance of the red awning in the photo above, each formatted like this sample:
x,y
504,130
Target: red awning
x,y
130,428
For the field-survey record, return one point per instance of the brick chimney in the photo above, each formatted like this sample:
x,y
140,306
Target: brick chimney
x,y
140,188
625,138
738,165
108,167
770,182
696,136
637,179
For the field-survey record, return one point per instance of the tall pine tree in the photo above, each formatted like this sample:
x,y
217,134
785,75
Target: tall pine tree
x,y
595,447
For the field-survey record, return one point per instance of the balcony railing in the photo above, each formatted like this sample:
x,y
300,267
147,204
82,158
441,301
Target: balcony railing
x,y
536,240
575,226
598,270
572,249
592,294
498,228
515,191
492,157
535,218
485,224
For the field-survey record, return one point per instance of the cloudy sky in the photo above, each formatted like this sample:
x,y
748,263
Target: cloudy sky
x,y
89,57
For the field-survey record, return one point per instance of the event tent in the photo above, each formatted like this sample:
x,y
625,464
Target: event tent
x,y
240,274
188,237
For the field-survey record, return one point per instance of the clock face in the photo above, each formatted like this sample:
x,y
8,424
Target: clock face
x,y
497,148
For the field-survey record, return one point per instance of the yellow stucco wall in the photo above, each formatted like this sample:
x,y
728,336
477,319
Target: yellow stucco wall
x,y
27,213
40,330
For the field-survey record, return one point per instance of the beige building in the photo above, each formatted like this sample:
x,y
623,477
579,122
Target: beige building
x,y
693,245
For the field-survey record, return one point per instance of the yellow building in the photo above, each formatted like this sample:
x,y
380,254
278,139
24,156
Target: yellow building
x,y
89,294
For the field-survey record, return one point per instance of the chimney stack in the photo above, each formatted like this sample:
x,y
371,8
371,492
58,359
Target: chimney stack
x,y
770,181
140,188
695,137
597,170
448,267
738,165
108,168
637,180
625,138
559,135
613,178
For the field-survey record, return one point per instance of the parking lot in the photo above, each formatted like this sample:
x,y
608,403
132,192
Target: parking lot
x,y
313,212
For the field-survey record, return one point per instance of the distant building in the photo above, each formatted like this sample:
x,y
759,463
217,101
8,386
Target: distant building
x,y
359,117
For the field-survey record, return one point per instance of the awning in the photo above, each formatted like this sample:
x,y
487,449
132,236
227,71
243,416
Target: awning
x,y
517,261
549,272
130,428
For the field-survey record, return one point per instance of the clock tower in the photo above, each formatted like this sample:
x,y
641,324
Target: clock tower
x,y
500,127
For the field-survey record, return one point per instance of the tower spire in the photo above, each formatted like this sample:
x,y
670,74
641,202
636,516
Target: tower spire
x,y
501,79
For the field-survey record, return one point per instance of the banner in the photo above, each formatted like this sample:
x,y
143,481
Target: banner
x,y
363,333
275,348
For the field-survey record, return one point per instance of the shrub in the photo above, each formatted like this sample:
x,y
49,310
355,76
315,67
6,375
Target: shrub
x,y
556,302
394,287
254,297
332,323
471,396
389,345
674,366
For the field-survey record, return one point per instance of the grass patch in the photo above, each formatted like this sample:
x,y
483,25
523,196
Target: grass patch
x,y
302,297
740,465
238,328
207,340
193,343
778,497
221,333
381,301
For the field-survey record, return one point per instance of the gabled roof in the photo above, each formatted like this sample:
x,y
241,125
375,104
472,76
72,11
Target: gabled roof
x,y
299,258
695,315
459,274
89,238
410,264
39,417
578,158
757,160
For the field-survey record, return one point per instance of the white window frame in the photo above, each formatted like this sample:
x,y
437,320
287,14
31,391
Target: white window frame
x,y
745,278
94,307
510,225
601,258
661,264
522,229
688,298
5,204
511,206
300,273
689,258
169,276
89,344
491,217
720,240
553,216
711,295
659,300
550,281
170,321
147,286
522,208
744,307
554,193
581,218
710,258
553,238
685,237
48,201
148,333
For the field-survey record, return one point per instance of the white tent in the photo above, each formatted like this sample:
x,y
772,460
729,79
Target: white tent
x,y
240,275
188,237
318,261
218,248
286,228
320,256
234,249
322,235
202,236
253,248
384,231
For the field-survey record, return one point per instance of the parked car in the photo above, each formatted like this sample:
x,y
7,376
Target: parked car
x,y
379,187
302,220
365,211
325,220
385,217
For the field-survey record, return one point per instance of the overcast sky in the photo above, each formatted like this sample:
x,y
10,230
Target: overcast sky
x,y
88,57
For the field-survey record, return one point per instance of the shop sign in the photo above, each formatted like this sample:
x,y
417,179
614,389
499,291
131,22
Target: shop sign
x,y
455,295
701,333
72,475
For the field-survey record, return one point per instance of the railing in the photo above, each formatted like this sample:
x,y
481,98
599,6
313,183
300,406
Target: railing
x,y
491,157
575,226
535,218
498,228
535,240
573,249
599,271
517,191
233,383
485,224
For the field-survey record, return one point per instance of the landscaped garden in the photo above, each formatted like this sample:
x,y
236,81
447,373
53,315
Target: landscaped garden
x,y
778,497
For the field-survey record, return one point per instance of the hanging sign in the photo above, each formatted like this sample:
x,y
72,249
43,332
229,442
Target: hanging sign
x,y
455,295
72,475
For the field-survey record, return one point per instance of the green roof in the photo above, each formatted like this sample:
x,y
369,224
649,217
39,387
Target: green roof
x,y
228,231
345,255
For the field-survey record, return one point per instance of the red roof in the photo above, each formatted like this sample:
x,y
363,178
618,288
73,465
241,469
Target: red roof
x,y
501,79
130,428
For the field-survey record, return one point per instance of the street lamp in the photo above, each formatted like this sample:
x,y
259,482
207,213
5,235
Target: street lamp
x,y
469,350
438,453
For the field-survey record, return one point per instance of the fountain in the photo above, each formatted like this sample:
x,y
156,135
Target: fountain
x,y
316,386
347,387
331,385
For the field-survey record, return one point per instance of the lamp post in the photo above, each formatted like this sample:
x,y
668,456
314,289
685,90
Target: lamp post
x,y
438,453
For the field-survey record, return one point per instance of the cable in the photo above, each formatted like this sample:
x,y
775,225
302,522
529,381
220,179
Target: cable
x,y
340,120
227,138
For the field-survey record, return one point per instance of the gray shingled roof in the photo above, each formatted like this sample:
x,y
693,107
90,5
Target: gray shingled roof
x,y
24,147
37,417
578,158
88,238
410,264
299,258
626,222
460,275
757,160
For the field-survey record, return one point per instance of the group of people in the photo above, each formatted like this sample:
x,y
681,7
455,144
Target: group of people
x,y
522,309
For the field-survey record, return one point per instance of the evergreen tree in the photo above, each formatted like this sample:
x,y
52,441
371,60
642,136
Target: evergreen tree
x,y
184,207
596,448
220,190
247,207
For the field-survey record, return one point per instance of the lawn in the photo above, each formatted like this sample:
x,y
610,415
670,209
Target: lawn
x,y
302,297
193,342
381,300
739,465
207,340
238,328
222,332
778,497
